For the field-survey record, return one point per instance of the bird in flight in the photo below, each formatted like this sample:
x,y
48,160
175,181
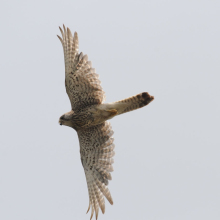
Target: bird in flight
x,y
89,115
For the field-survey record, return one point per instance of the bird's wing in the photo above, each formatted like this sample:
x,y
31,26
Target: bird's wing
x,y
97,150
82,84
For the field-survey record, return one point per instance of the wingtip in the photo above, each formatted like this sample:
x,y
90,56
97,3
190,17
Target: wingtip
x,y
75,35
60,39
91,215
68,30
109,198
61,31
102,209
88,209
96,215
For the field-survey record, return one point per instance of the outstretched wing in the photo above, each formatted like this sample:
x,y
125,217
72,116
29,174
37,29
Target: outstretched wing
x,y
82,84
97,150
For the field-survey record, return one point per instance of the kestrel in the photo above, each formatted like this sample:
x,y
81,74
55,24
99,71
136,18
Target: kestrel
x,y
89,115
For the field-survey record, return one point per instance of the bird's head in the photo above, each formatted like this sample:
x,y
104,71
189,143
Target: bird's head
x,y
66,119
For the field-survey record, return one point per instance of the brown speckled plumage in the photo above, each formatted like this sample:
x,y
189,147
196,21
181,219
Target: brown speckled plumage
x,y
89,116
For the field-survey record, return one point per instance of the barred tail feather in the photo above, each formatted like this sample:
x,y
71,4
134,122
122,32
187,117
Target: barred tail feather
x,y
134,102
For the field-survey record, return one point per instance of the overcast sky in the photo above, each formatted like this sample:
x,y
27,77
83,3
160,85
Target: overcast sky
x,y
167,154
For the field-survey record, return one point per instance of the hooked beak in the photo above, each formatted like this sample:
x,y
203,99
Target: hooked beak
x,y
60,122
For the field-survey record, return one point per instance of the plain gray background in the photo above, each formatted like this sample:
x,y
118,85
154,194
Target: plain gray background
x,y
167,154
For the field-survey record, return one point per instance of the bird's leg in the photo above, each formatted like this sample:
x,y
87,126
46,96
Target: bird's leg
x,y
112,112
